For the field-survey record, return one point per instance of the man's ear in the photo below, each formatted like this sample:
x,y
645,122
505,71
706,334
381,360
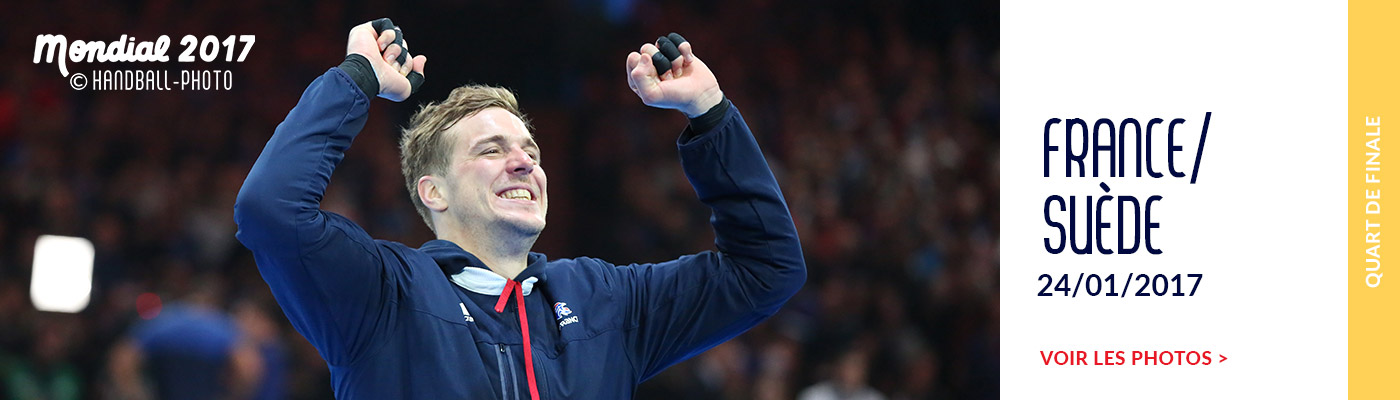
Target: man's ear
x,y
432,193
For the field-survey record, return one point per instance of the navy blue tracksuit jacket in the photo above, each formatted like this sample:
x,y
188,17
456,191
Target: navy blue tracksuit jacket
x,y
394,322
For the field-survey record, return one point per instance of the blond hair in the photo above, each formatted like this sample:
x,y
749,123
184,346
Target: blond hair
x,y
425,150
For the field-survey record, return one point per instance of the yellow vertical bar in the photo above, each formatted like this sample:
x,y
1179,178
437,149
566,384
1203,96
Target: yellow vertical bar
x,y
1373,112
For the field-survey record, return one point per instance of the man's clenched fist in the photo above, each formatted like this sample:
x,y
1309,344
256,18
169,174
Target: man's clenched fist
x,y
688,86
384,48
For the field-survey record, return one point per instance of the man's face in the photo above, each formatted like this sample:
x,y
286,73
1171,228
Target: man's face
x,y
494,177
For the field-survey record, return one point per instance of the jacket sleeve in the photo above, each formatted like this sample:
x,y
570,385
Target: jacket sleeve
x,y
329,276
683,307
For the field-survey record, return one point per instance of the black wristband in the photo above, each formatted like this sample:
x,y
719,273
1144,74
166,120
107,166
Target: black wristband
x,y
710,119
360,71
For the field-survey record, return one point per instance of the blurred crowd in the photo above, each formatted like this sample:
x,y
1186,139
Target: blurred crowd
x,y
879,119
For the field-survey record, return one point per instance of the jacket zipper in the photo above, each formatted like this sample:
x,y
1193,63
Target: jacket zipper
x,y
507,368
501,369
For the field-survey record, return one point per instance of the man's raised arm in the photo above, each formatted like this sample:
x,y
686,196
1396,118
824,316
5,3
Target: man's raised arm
x,y
686,306
324,270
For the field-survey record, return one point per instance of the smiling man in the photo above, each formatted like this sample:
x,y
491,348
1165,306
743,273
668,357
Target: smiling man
x,y
474,314
473,171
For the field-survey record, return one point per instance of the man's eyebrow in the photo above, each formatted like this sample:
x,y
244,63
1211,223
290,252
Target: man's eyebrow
x,y
497,139
501,140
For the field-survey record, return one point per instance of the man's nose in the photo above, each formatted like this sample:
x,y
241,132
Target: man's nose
x,y
520,162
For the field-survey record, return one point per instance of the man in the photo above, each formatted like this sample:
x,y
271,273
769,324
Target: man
x,y
474,314
191,350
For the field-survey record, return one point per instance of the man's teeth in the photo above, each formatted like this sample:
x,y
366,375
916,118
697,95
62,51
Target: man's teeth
x,y
520,194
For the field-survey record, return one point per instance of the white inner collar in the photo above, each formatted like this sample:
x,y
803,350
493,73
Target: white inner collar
x,y
483,281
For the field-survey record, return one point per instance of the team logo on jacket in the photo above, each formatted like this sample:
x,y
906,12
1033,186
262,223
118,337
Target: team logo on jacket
x,y
561,310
